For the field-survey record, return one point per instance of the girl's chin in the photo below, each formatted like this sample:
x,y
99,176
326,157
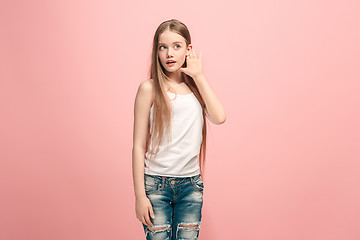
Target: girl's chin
x,y
171,70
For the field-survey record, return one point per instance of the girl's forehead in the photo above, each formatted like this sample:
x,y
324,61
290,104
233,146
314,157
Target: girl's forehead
x,y
169,37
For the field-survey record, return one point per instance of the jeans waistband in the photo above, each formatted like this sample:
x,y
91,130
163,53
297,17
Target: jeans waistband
x,y
171,178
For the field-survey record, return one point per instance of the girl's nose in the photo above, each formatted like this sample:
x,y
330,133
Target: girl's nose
x,y
169,53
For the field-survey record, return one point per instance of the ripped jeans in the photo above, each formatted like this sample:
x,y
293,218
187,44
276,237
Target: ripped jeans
x,y
177,204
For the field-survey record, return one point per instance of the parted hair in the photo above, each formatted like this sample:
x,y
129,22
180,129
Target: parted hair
x,y
159,130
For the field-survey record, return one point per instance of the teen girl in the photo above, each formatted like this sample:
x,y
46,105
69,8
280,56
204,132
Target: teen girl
x,y
169,135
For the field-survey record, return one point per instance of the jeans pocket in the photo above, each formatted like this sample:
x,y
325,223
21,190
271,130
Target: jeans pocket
x,y
150,183
199,184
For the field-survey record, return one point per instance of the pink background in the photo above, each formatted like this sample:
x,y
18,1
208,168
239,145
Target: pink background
x,y
284,165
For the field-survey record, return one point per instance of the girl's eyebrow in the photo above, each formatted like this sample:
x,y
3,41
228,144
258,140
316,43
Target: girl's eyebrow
x,y
165,44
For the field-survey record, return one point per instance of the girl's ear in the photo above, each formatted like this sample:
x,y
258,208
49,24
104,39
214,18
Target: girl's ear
x,y
189,48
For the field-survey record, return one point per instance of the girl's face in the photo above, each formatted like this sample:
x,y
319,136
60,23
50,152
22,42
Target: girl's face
x,y
172,50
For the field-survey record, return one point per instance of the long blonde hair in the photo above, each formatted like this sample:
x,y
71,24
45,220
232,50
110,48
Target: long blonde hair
x,y
160,126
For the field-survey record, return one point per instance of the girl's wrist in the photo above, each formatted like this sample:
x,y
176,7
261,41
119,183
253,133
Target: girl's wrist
x,y
140,195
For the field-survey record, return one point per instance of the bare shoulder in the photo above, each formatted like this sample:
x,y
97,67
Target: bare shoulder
x,y
145,93
146,86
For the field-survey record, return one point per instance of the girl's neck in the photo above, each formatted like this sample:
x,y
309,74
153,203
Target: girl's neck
x,y
175,77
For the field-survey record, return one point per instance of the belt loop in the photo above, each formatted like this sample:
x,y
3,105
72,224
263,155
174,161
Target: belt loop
x,y
163,183
192,180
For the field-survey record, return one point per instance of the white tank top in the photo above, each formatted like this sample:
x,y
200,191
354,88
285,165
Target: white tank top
x,y
180,157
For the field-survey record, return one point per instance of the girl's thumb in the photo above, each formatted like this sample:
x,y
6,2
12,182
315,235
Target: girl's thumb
x,y
152,213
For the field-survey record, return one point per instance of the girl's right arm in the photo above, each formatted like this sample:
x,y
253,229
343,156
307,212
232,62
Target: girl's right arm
x,y
143,102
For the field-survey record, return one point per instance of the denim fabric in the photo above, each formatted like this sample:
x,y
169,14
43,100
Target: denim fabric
x,y
177,204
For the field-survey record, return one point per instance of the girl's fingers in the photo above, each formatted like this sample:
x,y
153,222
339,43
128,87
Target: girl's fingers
x,y
147,221
152,215
143,220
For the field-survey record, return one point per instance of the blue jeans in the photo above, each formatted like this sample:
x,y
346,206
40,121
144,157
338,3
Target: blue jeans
x,y
177,204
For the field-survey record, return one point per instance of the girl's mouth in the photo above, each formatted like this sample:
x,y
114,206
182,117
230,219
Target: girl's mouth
x,y
170,63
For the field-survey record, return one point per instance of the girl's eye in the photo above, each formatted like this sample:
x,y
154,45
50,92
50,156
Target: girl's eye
x,y
176,46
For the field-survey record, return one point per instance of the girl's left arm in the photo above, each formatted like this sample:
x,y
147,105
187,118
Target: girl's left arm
x,y
214,110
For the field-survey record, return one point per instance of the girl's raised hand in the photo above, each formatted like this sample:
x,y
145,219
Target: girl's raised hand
x,y
193,65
